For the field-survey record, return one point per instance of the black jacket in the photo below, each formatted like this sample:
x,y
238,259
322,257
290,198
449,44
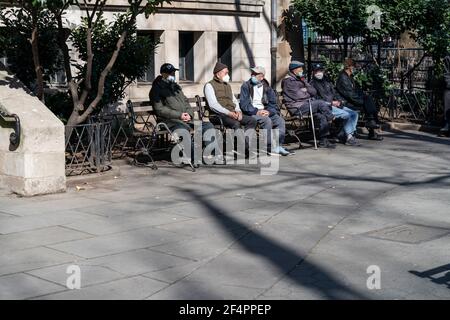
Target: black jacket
x,y
346,87
325,90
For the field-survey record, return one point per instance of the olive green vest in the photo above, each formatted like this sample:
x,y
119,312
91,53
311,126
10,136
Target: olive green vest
x,y
224,94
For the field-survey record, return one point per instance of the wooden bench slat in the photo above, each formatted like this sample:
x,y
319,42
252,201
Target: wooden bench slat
x,y
143,109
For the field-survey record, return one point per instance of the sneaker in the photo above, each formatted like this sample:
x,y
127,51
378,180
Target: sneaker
x,y
374,136
352,142
334,140
290,152
281,151
274,152
342,137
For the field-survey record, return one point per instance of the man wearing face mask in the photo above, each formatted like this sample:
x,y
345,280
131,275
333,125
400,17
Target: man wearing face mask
x,y
325,91
222,101
259,101
172,106
169,102
357,100
296,93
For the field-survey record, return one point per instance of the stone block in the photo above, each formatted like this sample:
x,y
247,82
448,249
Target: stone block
x,y
38,164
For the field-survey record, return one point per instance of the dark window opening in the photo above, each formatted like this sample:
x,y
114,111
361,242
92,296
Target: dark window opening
x,y
186,54
224,44
149,74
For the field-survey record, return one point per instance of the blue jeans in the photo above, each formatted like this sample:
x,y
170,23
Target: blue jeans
x,y
349,116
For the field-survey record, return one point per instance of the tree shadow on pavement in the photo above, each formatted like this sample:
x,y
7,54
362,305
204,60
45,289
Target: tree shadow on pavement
x,y
283,258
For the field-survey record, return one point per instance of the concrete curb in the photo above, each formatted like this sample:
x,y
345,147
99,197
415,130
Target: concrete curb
x,y
388,126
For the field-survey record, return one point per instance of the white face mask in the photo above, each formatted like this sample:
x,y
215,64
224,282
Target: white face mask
x,y
226,79
319,75
171,78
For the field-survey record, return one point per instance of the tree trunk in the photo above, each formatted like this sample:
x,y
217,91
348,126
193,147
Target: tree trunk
x,y
74,118
37,64
101,81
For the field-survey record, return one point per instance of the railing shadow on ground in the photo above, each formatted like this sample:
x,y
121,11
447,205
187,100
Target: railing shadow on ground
x,y
439,275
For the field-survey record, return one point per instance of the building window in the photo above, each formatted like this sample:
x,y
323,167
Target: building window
x,y
149,74
58,78
186,52
4,60
224,43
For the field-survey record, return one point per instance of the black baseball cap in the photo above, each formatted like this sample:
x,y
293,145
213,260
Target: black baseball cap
x,y
168,68
318,66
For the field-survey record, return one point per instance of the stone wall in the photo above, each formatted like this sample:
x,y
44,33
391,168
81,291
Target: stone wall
x,y
38,165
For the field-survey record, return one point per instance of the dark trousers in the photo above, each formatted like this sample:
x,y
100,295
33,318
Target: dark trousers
x,y
369,108
321,111
247,122
190,126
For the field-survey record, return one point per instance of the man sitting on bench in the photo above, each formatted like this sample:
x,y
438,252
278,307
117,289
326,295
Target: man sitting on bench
x,y
325,91
223,103
259,101
170,104
357,100
296,93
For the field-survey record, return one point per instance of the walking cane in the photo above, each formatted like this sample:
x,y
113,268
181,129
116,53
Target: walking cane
x,y
312,123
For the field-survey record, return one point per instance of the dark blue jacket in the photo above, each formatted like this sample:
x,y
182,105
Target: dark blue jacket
x,y
269,99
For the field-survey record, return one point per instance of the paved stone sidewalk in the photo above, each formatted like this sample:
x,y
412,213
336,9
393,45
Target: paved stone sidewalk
x,y
309,232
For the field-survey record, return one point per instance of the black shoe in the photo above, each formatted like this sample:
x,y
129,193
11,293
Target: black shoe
x,y
325,143
374,136
334,140
371,124
352,142
342,137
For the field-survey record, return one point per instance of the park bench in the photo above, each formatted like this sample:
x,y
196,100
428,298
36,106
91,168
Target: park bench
x,y
150,136
296,125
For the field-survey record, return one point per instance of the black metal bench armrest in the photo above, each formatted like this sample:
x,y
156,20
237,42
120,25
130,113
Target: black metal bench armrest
x,y
217,119
14,137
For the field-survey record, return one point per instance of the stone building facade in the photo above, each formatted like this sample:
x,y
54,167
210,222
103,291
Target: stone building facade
x,y
196,34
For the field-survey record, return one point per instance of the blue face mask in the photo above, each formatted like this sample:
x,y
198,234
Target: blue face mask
x,y
300,74
255,81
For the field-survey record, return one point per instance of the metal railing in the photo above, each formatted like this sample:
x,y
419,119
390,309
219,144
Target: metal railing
x,y
13,121
88,148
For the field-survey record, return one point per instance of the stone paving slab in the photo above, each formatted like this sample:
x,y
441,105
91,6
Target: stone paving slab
x,y
39,237
133,288
30,259
40,220
138,262
119,242
23,286
125,222
90,275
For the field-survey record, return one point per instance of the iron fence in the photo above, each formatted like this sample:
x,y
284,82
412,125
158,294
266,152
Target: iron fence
x,y
410,72
88,148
